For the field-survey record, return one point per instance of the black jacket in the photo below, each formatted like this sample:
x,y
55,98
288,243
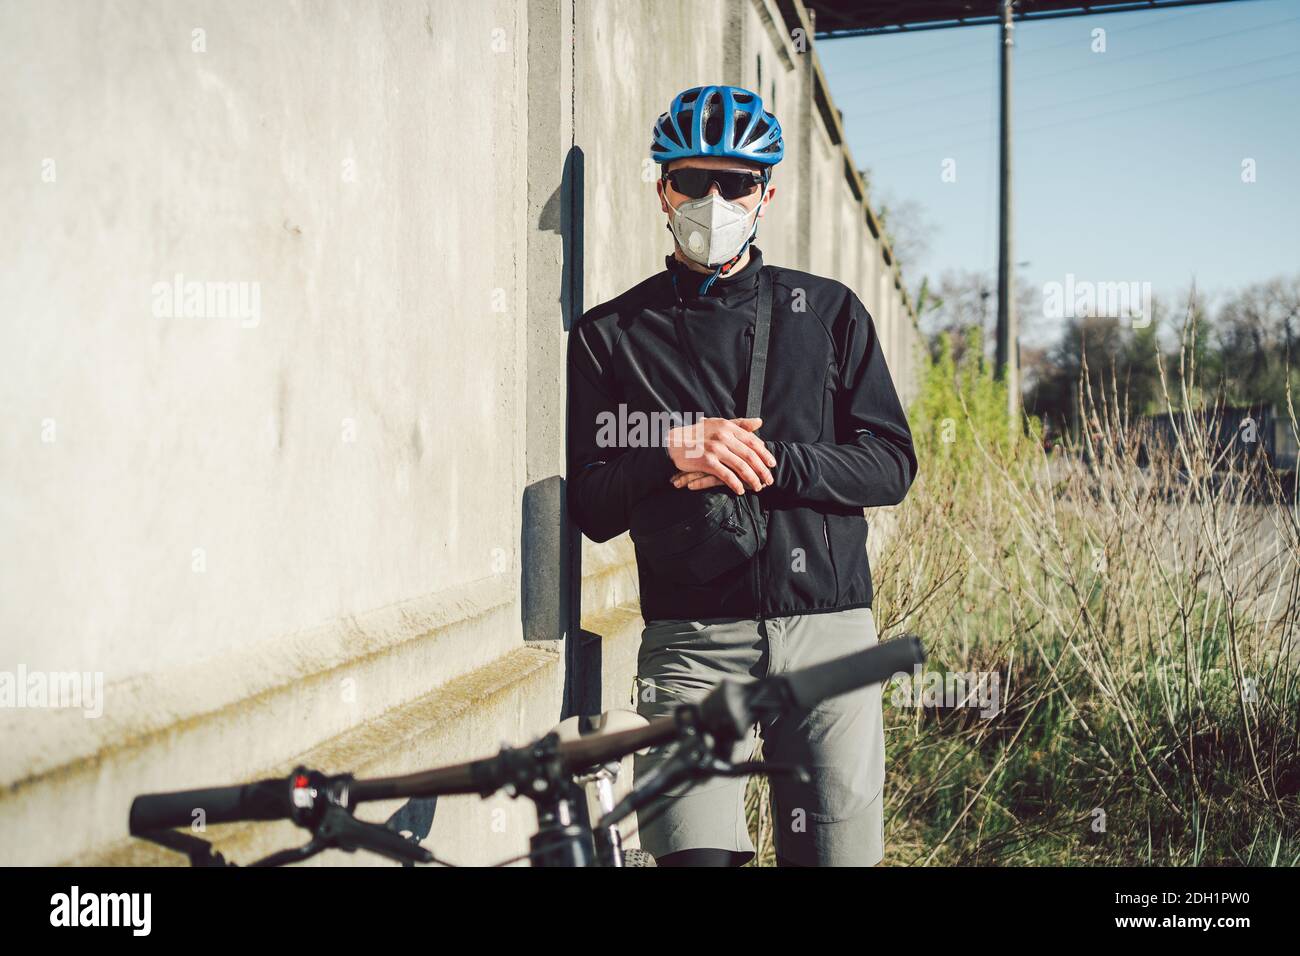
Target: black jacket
x,y
830,416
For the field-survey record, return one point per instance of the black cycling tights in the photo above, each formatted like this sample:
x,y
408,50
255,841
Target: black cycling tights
x,y
707,856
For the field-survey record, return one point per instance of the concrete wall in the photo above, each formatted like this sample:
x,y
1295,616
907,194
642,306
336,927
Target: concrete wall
x,y
327,528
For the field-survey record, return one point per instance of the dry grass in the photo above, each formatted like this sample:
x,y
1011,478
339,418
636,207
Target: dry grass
x,y
1137,599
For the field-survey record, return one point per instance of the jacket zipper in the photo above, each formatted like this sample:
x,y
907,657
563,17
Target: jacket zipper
x,y
758,574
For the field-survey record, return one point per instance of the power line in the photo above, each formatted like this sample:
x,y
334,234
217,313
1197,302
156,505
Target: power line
x,y
1126,109
1114,92
1075,69
1144,54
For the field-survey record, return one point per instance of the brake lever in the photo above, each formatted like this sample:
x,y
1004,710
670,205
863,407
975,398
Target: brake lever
x,y
294,855
200,852
339,828
680,764
686,762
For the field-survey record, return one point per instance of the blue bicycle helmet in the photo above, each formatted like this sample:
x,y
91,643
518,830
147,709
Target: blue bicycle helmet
x,y
718,121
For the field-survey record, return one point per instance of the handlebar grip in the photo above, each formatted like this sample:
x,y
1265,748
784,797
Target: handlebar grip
x,y
263,800
876,664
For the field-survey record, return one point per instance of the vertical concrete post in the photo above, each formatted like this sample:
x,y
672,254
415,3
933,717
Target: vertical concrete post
x,y
733,44
547,544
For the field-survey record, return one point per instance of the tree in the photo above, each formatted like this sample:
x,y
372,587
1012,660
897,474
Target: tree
x,y
1255,329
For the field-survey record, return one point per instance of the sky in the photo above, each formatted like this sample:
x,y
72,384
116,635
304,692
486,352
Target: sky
x,y
1127,163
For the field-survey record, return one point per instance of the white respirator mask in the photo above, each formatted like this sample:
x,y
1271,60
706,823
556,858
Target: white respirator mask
x,y
711,230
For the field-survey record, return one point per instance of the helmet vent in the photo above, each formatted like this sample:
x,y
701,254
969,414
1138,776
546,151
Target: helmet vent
x,y
686,120
713,120
740,120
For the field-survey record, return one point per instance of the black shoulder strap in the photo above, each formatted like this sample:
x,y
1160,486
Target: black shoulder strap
x,y
758,358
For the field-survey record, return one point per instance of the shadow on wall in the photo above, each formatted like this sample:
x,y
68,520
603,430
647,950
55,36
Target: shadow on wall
x,y
550,545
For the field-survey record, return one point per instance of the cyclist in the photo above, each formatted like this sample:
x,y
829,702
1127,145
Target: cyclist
x,y
832,440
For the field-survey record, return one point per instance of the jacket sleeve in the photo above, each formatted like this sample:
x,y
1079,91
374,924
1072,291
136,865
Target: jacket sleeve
x,y
604,481
871,462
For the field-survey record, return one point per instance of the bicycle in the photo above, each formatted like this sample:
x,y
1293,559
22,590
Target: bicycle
x,y
549,771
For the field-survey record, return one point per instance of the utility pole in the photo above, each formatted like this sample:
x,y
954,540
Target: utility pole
x,y
1008,369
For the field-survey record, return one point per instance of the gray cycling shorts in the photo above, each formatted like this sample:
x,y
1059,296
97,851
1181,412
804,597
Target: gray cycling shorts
x,y
834,820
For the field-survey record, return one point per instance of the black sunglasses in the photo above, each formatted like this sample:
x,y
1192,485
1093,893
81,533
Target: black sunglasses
x,y
732,184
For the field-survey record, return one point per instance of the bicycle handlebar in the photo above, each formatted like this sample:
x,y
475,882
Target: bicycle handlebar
x,y
273,799
875,665
727,712
485,776
263,800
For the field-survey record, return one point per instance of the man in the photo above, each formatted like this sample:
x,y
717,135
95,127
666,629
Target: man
x,y
831,440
